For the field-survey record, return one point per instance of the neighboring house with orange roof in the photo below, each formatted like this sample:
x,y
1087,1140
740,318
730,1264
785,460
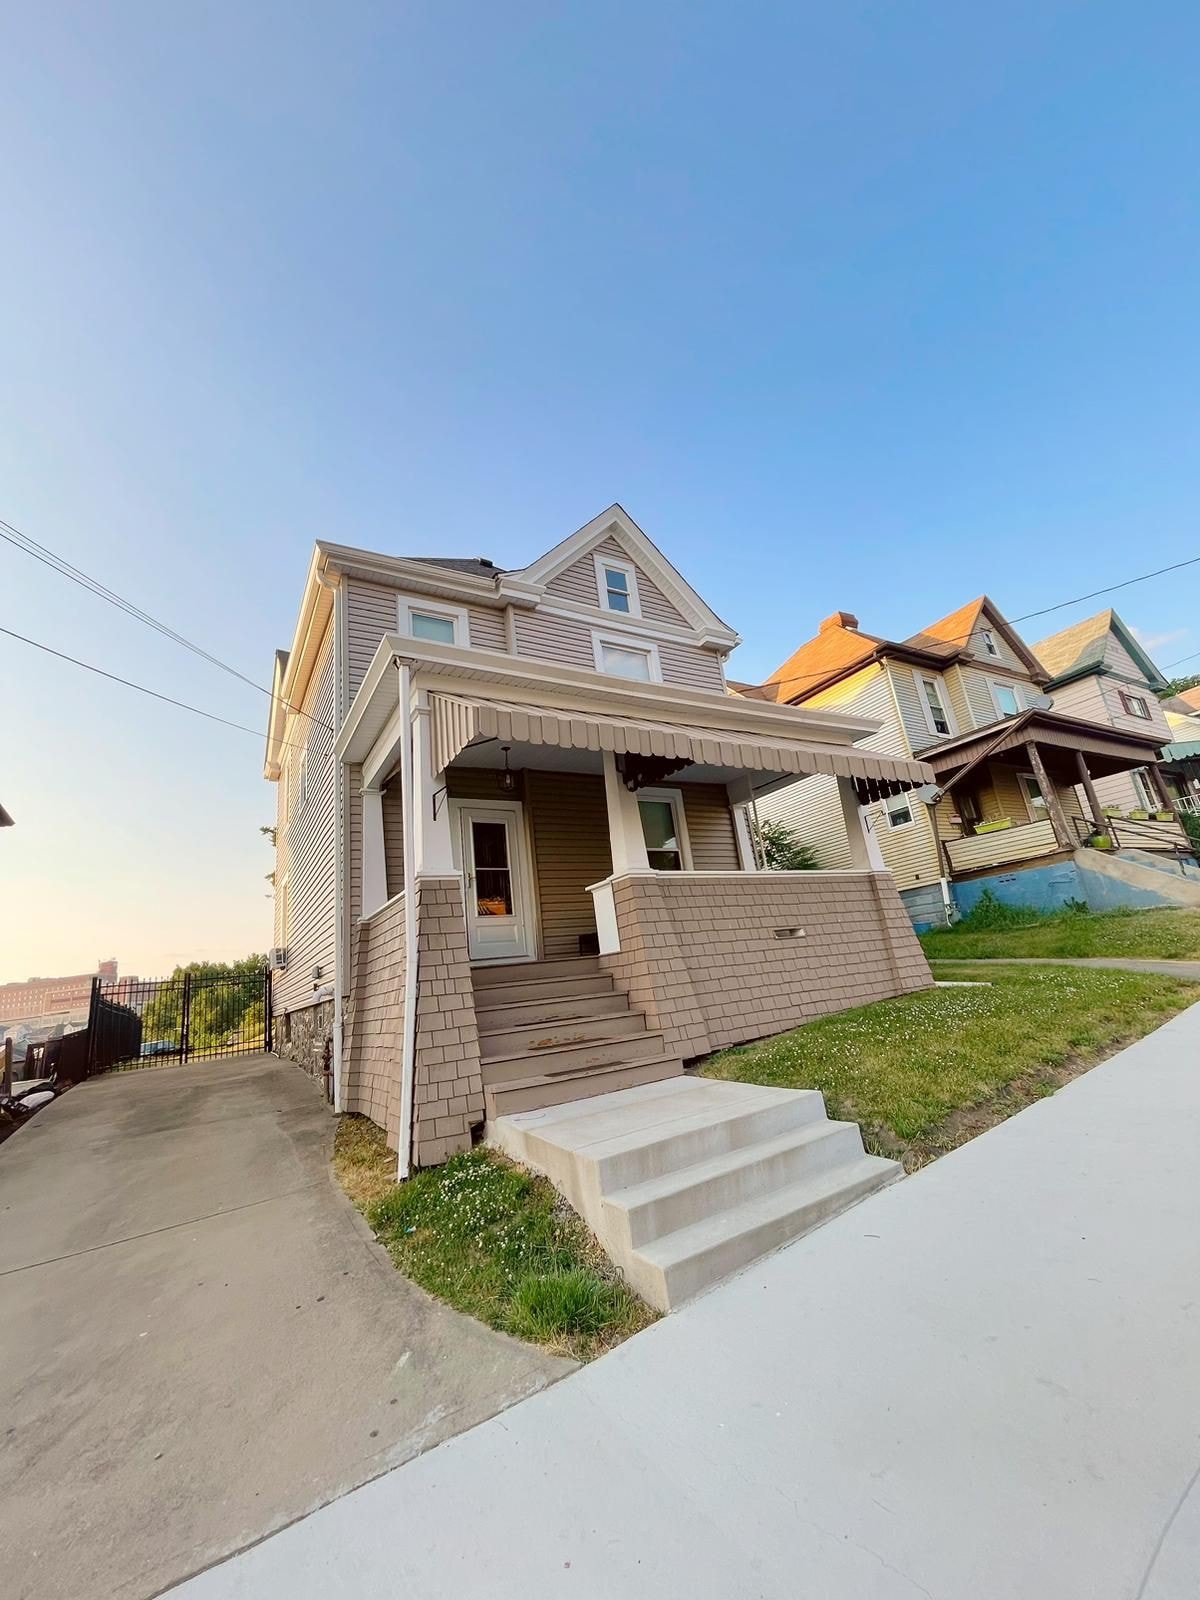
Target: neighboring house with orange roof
x,y
968,696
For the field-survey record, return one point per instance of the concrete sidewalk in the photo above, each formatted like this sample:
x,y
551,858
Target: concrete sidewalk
x,y
199,1338
1187,970
983,1382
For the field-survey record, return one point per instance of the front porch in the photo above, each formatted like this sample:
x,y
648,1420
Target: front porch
x,y
563,851
1028,795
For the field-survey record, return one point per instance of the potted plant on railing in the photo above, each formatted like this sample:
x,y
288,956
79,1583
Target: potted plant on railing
x,y
1164,816
1113,811
996,826
1139,814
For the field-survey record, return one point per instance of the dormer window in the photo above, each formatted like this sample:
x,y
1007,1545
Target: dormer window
x,y
989,642
617,583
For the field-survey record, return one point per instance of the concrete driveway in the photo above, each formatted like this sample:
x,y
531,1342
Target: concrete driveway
x,y
199,1339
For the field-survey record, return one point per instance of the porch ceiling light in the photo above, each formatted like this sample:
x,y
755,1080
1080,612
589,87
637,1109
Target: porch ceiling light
x,y
508,779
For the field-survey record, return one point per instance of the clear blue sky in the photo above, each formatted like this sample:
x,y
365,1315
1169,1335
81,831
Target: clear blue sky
x,y
863,306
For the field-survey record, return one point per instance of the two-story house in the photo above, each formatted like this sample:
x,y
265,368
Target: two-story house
x,y
515,860
970,698
1181,758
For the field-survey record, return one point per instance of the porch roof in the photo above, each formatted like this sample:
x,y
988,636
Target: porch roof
x,y
459,719
1107,750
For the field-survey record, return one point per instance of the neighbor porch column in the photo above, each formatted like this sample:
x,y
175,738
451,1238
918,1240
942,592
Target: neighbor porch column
x,y
1160,785
433,850
1089,788
865,854
374,854
741,795
626,839
1063,832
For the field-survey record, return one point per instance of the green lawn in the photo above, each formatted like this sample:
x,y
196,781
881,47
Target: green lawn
x,y
926,1072
491,1240
1162,935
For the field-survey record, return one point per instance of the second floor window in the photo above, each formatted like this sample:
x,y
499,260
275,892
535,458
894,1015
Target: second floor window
x,y
989,642
625,661
1006,700
1134,706
938,719
428,625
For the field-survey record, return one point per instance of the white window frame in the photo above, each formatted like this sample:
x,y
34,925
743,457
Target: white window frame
x,y
1142,787
456,615
905,799
1127,699
674,798
993,685
988,636
631,644
939,683
630,571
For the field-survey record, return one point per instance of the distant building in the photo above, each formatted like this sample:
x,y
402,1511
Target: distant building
x,y
38,1007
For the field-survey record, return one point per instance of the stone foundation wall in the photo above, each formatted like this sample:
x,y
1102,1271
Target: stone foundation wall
x,y
302,1036
701,956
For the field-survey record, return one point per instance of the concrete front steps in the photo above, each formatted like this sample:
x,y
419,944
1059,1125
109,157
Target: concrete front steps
x,y
685,1181
552,1032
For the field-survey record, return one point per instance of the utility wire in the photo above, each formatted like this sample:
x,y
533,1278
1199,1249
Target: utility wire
x,y
59,564
129,684
805,677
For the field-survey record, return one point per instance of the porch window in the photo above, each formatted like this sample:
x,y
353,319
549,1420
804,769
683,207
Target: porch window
x,y
1033,795
989,642
938,719
1006,700
1147,798
899,810
664,829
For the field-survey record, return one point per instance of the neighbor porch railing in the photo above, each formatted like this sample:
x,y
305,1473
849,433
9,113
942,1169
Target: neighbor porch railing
x,y
1003,847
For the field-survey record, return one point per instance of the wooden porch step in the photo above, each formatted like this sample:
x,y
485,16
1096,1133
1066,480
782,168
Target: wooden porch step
x,y
569,985
534,1013
517,971
531,1094
621,1049
537,1037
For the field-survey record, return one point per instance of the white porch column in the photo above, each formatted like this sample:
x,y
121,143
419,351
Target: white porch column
x,y
431,810
626,839
740,796
374,856
865,854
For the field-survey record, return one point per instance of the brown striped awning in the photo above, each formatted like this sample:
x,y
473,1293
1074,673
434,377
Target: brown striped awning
x,y
457,721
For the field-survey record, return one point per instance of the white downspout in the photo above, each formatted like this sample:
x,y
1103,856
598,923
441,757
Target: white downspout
x,y
339,829
409,1046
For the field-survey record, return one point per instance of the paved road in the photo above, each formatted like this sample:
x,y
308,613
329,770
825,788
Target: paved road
x,y
1188,970
199,1339
983,1382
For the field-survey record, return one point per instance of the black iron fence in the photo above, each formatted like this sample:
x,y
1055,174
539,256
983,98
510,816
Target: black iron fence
x,y
189,1017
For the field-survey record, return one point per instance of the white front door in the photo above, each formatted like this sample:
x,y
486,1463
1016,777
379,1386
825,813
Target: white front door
x,y
489,841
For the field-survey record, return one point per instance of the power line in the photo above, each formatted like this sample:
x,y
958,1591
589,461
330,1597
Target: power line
x,y
140,687
1062,605
59,564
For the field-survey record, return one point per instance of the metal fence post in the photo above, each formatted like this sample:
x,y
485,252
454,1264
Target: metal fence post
x,y
185,1018
267,1010
6,1082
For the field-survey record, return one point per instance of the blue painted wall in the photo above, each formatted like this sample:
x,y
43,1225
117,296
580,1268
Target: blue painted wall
x,y
925,906
1044,888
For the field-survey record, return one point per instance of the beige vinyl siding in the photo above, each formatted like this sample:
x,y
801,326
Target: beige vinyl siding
x,y
1007,656
578,582
393,837
568,819
561,639
979,695
960,704
371,611
811,807
1117,791
710,827
305,843
910,699
486,628
1098,699
689,665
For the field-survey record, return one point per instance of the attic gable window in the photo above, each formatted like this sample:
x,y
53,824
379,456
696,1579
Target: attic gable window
x,y
616,582
1134,706
989,642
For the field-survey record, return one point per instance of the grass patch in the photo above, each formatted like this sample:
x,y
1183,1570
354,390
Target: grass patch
x,y
492,1240
1152,935
925,1073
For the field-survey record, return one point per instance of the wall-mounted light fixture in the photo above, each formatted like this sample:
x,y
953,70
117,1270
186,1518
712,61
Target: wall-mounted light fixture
x,y
508,779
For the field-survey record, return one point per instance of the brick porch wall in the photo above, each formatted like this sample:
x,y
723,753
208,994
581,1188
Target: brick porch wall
x,y
699,953
447,1080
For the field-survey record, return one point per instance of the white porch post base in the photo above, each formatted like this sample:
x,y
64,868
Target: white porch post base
x,y
606,917
374,855
865,854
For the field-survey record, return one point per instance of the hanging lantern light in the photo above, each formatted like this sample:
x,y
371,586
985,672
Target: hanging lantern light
x,y
508,779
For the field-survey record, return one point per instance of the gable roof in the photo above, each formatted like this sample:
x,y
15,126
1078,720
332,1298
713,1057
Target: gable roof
x,y
1074,651
956,631
838,646
1190,698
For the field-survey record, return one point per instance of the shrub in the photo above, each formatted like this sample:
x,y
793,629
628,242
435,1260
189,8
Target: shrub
x,y
783,850
989,912
1191,821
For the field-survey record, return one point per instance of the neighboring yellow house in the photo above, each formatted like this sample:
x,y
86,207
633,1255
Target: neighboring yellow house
x,y
1019,776
1181,758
